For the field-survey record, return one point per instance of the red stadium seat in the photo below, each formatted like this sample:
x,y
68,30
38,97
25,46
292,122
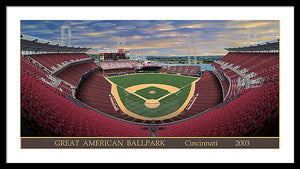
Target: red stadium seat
x,y
223,107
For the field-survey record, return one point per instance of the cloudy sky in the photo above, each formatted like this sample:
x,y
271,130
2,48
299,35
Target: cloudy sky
x,y
157,37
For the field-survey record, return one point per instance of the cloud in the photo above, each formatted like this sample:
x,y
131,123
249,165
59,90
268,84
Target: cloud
x,y
158,52
157,28
170,34
251,24
75,23
201,24
165,27
266,38
267,31
103,25
239,36
210,49
157,37
136,38
99,33
100,45
125,27
150,52
156,44
40,31
80,27
141,23
192,25
78,22
30,27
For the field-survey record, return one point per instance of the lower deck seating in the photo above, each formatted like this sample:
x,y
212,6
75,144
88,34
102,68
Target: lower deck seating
x,y
56,115
209,92
251,111
95,91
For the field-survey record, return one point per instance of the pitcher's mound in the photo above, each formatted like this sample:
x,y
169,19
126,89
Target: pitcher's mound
x,y
152,92
151,104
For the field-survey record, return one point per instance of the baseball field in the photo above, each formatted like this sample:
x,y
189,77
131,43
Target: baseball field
x,y
152,96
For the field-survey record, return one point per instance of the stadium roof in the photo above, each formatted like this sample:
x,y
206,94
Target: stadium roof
x,y
29,43
265,46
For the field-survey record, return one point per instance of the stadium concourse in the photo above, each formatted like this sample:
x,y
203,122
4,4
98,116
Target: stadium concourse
x,y
64,93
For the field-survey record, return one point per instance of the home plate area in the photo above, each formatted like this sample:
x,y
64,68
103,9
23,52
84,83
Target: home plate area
x,y
152,104
152,93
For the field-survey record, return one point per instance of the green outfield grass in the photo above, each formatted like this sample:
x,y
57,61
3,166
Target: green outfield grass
x,y
168,104
168,79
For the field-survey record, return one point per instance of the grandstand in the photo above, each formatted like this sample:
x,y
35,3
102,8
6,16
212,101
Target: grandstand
x,y
65,93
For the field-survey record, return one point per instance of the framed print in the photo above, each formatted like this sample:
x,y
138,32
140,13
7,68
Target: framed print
x,y
151,81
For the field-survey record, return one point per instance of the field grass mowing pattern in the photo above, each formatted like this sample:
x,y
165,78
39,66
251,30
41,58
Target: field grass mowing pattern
x,y
167,105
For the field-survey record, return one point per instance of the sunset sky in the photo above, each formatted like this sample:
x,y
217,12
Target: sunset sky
x,y
157,37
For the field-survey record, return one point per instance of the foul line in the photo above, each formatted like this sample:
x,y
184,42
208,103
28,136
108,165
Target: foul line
x,y
126,91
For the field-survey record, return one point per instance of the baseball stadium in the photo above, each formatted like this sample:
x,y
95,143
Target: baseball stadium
x,y
65,92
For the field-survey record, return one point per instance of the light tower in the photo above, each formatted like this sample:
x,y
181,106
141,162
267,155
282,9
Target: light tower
x,y
188,41
62,37
254,31
195,50
119,42
69,36
123,43
248,36
249,32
